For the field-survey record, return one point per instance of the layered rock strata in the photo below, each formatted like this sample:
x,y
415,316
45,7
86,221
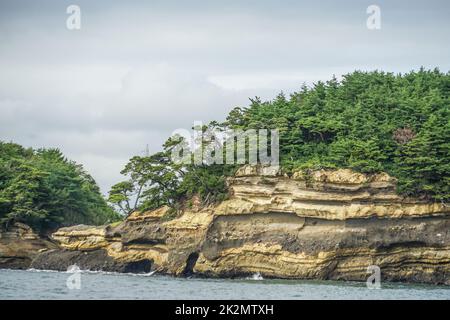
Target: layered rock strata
x,y
19,245
312,225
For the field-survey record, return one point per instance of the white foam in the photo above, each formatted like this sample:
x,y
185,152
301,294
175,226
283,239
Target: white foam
x,y
256,276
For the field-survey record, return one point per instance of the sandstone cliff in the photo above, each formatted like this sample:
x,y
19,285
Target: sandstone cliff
x,y
19,245
313,225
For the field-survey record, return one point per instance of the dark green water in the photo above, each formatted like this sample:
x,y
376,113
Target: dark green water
x,y
16,284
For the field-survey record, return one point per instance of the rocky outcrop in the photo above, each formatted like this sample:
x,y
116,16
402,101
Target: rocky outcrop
x,y
313,225
19,245
143,239
332,195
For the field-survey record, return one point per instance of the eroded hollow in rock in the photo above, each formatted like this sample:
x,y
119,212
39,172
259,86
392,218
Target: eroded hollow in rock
x,y
190,263
141,266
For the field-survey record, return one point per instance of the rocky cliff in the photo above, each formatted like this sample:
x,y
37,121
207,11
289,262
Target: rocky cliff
x,y
19,245
312,225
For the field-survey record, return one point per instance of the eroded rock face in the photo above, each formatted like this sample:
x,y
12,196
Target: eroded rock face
x,y
95,260
310,248
19,245
332,195
142,243
316,225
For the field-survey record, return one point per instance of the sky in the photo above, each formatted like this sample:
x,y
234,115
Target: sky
x,y
136,71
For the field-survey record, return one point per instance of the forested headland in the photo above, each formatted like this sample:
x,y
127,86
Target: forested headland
x,y
367,121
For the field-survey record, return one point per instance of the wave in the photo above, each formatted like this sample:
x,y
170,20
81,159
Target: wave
x,y
257,276
73,269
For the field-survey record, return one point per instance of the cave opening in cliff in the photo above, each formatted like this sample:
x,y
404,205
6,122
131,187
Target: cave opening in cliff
x,y
190,263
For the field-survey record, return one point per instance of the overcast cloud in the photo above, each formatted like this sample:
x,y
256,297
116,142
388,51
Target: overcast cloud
x,y
138,70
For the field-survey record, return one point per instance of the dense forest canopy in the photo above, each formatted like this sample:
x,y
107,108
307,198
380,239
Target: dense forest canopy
x,y
368,121
45,190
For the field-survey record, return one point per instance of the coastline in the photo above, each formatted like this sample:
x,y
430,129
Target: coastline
x,y
100,285
332,228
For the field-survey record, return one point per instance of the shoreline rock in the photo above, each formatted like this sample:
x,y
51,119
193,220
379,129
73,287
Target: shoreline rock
x,y
19,245
314,225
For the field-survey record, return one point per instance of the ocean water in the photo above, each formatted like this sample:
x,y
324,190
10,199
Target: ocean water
x,y
36,284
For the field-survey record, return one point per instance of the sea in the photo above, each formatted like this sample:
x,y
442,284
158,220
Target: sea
x,y
86,285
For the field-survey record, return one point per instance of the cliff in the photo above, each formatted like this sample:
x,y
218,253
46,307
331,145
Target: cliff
x,y
313,225
19,245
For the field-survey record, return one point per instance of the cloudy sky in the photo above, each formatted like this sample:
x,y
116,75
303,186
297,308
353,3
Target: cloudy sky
x,y
138,70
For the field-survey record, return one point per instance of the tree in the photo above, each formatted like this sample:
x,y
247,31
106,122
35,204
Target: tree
x,y
423,163
120,195
152,181
368,121
45,190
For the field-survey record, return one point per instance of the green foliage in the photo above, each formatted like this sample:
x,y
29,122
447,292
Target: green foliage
x,y
423,164
45,190
369,122
207,182
170,214
154,181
